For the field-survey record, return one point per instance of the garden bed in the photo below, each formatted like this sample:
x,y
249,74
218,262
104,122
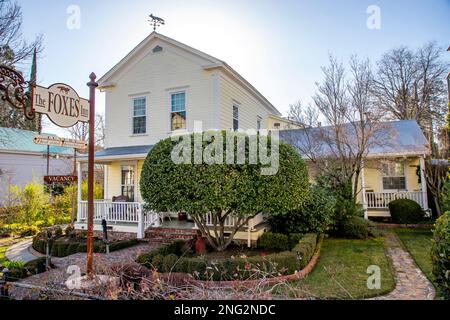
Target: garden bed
x,y
64,246
176,260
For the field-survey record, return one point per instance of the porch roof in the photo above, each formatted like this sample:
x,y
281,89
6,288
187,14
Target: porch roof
x,y
121,153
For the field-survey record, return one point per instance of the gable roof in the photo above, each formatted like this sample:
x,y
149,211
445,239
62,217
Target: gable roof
x,y
397,138
16,140
211,63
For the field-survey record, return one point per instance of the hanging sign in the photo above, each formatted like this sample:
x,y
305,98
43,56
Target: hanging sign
x,y
61,103
60,179
60,142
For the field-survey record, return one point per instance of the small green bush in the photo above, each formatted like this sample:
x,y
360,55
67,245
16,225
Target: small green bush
x,y
440,254
58,232
36,266
169,262
306,248
29,231
274,241
354,228
405,211
294,239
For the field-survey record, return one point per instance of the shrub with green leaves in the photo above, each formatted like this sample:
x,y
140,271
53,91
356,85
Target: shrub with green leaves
x,y
315,216
354,228
274,241
238,190
406,211
440,254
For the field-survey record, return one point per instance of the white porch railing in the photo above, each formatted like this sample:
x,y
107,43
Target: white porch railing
x,y
231,221
129,213
381,200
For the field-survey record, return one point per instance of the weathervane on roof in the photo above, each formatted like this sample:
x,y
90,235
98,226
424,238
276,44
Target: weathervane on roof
x,y
156,21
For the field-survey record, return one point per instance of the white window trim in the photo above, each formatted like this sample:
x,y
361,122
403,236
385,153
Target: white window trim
x,y
186,108
403,176
238,106
132,99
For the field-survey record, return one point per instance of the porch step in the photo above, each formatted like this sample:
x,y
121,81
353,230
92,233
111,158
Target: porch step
x,y
169,234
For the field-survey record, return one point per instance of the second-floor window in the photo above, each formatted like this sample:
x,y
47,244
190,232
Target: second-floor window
x,y
394,176
178,111
259,123
140,116
235,118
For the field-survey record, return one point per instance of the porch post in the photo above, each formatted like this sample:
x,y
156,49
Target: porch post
x,y
423,183
363,190
105,182
141,231
80,177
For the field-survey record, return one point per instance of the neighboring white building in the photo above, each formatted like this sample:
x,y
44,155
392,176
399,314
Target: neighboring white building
x,y
21,160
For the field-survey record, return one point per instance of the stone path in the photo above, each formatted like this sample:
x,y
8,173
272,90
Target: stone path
x,y
22,252
57,277
411,283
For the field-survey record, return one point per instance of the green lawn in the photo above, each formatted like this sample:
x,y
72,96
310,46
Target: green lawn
x,y
341,272
4,245
418,244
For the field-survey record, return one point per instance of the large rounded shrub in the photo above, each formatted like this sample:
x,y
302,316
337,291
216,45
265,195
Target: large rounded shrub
x,y
440,254
315,216
224,188
406,211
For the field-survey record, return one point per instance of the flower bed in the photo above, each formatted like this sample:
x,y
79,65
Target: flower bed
x,y
175,259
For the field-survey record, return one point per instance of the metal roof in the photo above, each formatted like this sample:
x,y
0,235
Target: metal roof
x,y
395,138
23,141
124,151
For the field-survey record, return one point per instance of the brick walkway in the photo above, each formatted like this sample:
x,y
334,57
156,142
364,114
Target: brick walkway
x,y
57,277
411,283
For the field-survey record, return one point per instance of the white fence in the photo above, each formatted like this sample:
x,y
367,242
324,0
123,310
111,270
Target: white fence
x,y
381,200
231,221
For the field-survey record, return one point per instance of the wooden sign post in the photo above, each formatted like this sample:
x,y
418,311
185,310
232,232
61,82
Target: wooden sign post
x,y
64,107
90,234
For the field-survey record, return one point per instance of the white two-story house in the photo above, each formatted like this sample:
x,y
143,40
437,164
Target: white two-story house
x,y
161,88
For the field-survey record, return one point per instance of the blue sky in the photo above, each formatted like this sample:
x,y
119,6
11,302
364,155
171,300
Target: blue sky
x,y
279,46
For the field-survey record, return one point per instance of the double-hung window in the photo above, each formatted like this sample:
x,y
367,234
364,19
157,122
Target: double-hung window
x,y
127,182
258,123
139,116
235,118
178,111
394,176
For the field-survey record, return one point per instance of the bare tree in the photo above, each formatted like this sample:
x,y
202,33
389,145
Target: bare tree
x,y
410,85
81,131
13,48
346,103
15,52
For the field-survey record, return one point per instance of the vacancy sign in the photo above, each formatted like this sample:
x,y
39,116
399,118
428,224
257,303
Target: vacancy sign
x,y
61,104
60,142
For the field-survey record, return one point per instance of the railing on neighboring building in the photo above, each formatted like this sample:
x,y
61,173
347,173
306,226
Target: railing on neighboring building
x,y
381,200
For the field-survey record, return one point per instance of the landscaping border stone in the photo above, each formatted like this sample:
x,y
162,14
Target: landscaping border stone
x,y
186,279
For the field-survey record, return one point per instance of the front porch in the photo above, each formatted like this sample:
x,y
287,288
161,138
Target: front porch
x,y
131,217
